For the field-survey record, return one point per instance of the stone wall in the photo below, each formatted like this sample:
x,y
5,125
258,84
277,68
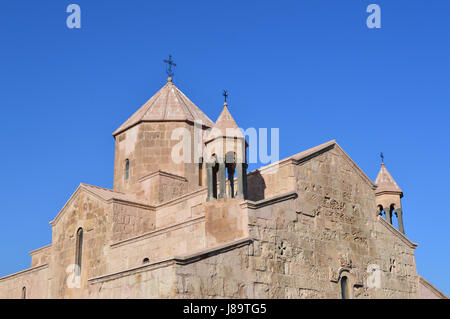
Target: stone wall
x,y
311,222
40,256
95,218
223,275
159,187
270,181
157,245
181,209
145,282
35,281
131,220
303,247
148,146
225,221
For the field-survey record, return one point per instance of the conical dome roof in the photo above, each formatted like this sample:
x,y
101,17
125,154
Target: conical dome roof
x,y
225,126
386,182
168,104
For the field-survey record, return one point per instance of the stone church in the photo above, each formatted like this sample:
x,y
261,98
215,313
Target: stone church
x,y
314,227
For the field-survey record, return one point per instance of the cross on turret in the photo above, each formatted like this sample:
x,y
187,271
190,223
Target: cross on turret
x,y
225,95
169,63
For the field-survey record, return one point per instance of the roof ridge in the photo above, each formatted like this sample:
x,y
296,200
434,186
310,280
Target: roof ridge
x,y
166,100
103,188
180,98
140,112
195,107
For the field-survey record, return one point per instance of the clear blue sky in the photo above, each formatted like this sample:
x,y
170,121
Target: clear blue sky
x,y
311,68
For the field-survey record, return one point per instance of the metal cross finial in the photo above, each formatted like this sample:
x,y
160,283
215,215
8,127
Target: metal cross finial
x,y
382,157
170,63
225,95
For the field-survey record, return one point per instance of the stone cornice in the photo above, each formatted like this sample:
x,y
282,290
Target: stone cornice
x,y
131,203
269,201
117,133
26,271
300,157
38,250
356,167
311,153
427,284
208,252
396,233
272,167
132,271
128,202
182,198
58,216
163,173
176,260
389,193
83,188
158,232
226,137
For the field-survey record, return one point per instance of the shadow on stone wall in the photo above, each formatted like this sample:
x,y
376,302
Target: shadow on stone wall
x,y
255,186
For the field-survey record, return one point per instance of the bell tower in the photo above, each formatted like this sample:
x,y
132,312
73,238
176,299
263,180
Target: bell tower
x,y
388,196
226,156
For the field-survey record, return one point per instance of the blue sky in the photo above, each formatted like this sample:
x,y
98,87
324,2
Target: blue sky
x,y
311,68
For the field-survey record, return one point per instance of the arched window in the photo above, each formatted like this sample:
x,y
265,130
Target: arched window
x,y
127,169
345,291
146,261
230,165
24,292
394,221
388,214
215,171
379,210
79,250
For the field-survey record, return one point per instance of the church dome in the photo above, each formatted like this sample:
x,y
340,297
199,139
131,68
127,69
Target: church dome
x,y
168,104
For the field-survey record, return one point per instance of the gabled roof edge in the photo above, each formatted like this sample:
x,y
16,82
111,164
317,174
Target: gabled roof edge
x,y
313,152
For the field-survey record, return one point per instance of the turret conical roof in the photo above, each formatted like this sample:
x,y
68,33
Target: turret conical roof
x,y
386,182
225,126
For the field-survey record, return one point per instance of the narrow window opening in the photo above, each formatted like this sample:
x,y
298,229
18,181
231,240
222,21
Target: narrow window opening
x,y
392,265
379,210
388,214
394,217
345,293
24,293
127,169
79,249
230,164
200,172
215,171
145,261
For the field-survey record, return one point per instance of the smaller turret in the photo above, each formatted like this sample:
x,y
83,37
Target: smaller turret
x,y
388,197
226,155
